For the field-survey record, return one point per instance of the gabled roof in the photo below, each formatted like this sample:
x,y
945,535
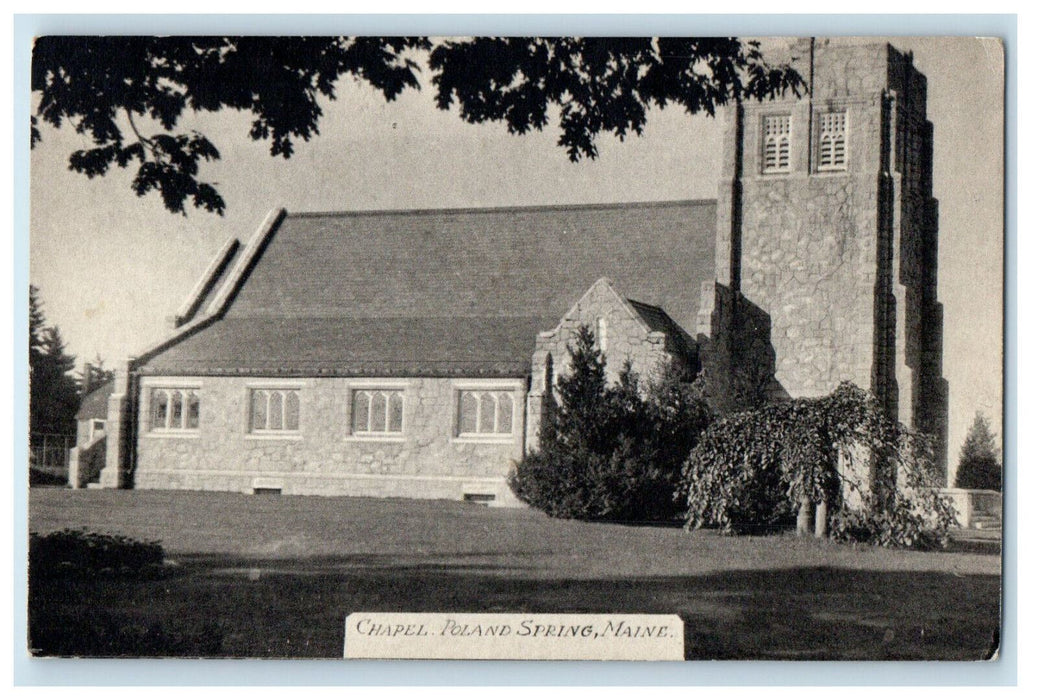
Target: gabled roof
x,y
95,404
658,320
207,287
437,292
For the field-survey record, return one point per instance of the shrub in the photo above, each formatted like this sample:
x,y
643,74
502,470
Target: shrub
x,y
753,470
62,563
97,633
76,552
611,452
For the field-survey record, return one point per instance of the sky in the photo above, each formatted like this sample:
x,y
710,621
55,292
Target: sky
x,y
112,267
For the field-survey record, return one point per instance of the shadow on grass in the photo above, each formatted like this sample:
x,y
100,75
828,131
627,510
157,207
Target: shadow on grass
x,y
255,607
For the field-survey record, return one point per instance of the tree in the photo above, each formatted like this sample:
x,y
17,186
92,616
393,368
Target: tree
x,y
758,469
979,463
611,451
94,374
128,94
37,322
53,396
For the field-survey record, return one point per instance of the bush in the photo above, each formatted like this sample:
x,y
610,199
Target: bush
x,y
61,563
752,470
96,633
38,477
76,552
611,452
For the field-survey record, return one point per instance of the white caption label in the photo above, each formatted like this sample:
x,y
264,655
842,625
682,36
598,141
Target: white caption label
x,y
514,636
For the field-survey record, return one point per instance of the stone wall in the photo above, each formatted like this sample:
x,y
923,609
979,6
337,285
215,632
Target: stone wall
x,y
807,247
735,349
922,393
86,460
627,339
426,461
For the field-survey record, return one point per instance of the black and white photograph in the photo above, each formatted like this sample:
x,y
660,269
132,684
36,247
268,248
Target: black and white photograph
x,y
520,347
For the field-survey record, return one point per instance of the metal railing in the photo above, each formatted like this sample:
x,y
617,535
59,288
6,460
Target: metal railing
x,y
49,451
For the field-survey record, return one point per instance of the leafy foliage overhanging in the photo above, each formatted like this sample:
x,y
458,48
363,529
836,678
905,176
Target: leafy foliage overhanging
x,y
752,470
128,94
611,452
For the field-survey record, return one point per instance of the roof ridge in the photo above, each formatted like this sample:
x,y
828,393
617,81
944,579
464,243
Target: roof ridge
x,y
503,209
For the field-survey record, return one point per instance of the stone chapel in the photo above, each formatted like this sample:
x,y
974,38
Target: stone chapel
x,y
407,353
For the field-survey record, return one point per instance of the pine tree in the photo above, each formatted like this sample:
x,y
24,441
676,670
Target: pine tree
x,y
53,394
578,419
979,463
610,451
37,322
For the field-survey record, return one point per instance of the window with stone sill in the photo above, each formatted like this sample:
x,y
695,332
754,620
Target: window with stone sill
x,y
173,409
485,413
832,141
377,412
273,411
776,144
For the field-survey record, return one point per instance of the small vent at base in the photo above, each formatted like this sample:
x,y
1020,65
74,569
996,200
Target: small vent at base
x,y
479,498
266,491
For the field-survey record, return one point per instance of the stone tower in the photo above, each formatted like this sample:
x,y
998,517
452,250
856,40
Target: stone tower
x,y
827,239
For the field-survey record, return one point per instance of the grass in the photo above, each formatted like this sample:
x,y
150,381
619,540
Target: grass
x,y
275,576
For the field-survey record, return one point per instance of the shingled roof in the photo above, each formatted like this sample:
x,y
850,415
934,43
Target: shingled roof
x,y
95,404
459,292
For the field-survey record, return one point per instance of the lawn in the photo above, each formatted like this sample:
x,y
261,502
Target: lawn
x,y
275,576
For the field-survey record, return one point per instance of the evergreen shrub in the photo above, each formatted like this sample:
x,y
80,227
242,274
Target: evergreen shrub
x,y
611,452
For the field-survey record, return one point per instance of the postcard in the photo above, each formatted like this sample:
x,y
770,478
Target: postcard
x,y
516,347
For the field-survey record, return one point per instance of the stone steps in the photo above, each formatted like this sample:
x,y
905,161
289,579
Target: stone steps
x,y
986,522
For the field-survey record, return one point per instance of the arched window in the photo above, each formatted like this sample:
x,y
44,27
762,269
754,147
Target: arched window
x,y
832,141
361,404
776,140
191,414
274,411
292,410
159,409
485,412
377,412
468,413
173,409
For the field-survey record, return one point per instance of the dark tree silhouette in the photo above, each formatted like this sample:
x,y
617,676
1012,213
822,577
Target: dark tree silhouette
x,y
979,464
598,84
128,94
94,374
37,324
53,395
